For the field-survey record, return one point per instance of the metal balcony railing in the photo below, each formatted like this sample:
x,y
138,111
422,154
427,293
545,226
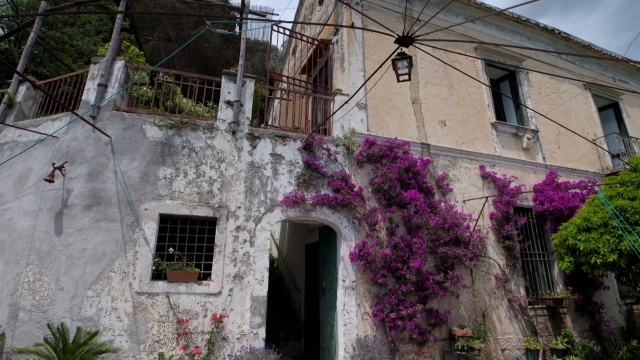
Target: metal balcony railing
x,y
298,94
621,148
173,93
67,88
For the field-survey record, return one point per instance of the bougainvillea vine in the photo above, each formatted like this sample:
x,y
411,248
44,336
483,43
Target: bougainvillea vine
x,y
504,222
558,200
414,237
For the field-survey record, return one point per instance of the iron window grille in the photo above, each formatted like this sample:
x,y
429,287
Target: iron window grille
x,y
535,257
193,237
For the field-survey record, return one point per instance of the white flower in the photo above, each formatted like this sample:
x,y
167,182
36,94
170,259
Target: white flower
x,y
171,250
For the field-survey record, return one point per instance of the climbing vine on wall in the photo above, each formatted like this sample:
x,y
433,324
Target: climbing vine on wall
x,y
414,238
504,222
559,201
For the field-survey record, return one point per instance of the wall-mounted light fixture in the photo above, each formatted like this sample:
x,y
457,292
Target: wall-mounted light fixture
x,y
402,65
51,178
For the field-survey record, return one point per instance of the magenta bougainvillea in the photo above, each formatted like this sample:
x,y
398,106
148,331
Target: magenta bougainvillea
x,y
414,237
504,222
558,200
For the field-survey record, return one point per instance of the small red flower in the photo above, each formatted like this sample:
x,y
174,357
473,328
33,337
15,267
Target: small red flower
x,y
197,351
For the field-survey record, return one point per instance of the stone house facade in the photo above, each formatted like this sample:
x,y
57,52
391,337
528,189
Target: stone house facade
x,y
81,249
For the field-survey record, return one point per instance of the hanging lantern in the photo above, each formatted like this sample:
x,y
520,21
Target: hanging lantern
x,y
402,65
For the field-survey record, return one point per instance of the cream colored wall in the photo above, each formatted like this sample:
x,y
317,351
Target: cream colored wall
x,y
444,107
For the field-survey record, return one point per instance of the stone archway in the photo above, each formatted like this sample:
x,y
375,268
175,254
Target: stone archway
x,y
346,304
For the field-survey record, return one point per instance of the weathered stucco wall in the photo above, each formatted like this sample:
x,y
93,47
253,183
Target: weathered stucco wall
x,y
444,107
72,250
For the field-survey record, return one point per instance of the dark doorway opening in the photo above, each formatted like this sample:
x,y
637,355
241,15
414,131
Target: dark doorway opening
x,y
302,295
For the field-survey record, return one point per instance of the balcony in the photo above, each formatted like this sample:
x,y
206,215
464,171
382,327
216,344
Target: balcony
x,y
621,148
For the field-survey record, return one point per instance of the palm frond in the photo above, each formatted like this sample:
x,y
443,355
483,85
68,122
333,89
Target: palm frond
x,y
60,346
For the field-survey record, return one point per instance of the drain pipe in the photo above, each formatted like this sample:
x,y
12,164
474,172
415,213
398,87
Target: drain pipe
x,y
237,104
105,68
22,64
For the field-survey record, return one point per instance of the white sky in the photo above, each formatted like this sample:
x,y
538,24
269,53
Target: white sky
x,y
611,24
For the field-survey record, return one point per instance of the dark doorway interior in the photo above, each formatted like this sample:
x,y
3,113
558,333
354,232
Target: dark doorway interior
x,y
312,298
301,302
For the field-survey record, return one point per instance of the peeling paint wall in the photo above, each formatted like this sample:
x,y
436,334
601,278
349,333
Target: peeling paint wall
x,y
72,251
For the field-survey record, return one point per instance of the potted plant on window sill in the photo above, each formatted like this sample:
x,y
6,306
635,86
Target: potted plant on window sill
x,y
178,271
531,348
557,298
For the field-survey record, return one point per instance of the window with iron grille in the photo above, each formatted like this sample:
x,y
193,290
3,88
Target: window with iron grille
x,y
193,237
535,256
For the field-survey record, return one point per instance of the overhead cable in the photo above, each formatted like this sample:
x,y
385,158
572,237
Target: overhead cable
x,y
533,70
496,12
431,18
524,105
353,95
106,99
521,47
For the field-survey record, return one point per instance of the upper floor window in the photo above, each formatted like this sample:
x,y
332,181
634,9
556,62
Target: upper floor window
x,y
505,92
615,132
535,256
188,236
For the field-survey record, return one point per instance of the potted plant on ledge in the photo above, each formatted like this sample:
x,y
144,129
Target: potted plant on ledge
x,y
179,270
461,330
531,348
559,347
557,298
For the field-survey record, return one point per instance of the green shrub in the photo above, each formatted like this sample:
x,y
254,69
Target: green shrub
x,y
60,346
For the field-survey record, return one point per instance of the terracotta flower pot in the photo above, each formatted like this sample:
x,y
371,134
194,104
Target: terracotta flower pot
x,y
554,301
182,276
461,332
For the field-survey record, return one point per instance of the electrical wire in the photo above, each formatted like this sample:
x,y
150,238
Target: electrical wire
x,y
546,51
470,37
533,70
495,12
363,96
353,95
413,34
368,17
566,188
132,203
105,100
525,106
418,17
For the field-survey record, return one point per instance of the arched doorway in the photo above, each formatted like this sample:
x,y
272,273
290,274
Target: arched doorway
x,y
303,290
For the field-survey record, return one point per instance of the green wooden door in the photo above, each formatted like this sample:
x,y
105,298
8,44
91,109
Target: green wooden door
x,y
328,274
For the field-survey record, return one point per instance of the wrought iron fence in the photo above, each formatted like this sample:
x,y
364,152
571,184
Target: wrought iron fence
x,y
621,147
297,96
67,88
172,93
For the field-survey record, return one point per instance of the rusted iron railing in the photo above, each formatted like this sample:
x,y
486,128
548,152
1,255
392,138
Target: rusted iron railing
x,y
173,93
297,96
67,88
621,147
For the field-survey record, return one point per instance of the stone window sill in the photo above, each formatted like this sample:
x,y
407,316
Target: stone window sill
x,y
503,128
